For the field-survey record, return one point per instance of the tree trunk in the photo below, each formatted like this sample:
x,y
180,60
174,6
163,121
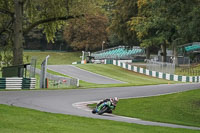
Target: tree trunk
x,y
18,33
164,51
148,53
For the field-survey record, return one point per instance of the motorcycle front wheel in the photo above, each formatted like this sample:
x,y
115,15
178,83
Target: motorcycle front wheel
x,y
103,110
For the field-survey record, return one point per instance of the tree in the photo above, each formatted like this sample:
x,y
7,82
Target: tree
x,y
21,16
163,22
87,33
124,10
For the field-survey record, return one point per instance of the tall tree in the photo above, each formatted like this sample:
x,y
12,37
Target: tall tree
x,y
87,33
123,12
18,32
163,22
49,15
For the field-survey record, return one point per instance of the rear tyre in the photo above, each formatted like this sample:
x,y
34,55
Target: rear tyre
x,y
109,111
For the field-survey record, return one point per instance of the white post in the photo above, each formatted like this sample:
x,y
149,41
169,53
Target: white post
x,y
46,59
83,55
43,73
78,82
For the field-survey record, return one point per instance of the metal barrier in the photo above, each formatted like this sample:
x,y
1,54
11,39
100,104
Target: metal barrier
x,y
58,81
160,66
17,83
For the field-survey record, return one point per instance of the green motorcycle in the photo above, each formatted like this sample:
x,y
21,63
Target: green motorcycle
x,y
105,106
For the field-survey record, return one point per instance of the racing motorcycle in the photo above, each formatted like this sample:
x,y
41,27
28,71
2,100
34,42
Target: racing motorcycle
x,y
103,107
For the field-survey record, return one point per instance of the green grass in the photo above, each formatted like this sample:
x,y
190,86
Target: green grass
x,y
180,108
86,85
188,71
20,120
56,58
131,78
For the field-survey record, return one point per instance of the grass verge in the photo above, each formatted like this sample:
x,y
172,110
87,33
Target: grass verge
x,y
20,120
131,78
180,108
56,58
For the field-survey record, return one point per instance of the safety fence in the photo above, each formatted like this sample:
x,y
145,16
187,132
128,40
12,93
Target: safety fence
x,y
59,81
160,66
17,83
190,71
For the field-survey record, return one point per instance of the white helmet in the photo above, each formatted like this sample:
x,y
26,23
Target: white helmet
x,y
114,100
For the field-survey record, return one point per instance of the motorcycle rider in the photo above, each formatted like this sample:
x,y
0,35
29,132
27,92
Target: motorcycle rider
x,y
111,103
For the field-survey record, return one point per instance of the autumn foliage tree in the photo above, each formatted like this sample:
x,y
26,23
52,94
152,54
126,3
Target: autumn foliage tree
x,y
87,33
19,17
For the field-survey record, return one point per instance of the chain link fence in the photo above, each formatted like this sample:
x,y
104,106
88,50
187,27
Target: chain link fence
x,y
55,81
60,81
160,66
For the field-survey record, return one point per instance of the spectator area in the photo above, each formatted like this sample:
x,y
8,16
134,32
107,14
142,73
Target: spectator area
x,y
192,47
120,52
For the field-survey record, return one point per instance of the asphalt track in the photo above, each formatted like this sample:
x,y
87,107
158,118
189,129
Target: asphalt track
x,y
81,74
73,102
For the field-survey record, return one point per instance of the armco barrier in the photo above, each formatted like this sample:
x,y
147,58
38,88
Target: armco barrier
x,y
156,74
17,83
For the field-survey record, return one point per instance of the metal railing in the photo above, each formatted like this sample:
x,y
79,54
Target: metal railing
x,y
160,66
58,81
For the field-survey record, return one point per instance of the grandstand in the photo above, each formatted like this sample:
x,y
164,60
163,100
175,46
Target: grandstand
x,y
191,51
192,47
120,52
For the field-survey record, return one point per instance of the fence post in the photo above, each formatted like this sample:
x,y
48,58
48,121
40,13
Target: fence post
x,y
43,73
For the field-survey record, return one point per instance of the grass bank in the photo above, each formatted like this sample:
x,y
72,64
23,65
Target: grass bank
x,y
131,78
180,108
56,58
20,120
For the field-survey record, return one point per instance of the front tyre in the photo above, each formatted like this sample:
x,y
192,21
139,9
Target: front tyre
x,y
94,111
103,110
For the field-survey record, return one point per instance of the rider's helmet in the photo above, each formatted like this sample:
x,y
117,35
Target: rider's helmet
x,y
114,100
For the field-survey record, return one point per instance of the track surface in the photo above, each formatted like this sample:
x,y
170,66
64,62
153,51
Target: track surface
x,y
81,74
62,101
